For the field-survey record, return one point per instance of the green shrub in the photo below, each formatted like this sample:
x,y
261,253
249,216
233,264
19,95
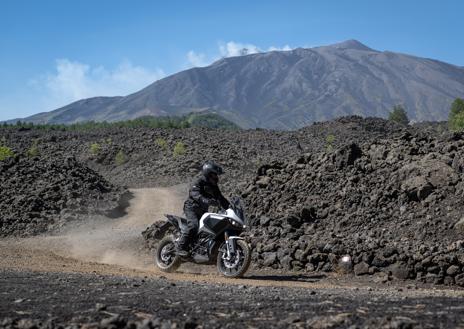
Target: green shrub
x,y
33,151
399,115
456,115
161,142
330,139
179,149
120,158
95,148
5,153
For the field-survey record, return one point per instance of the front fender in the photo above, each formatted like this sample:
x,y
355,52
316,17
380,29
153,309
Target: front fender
x,y
236,238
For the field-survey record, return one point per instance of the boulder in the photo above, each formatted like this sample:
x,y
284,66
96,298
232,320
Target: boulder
x,y
417,188
459,279
400,270
361,268
452,270
294,221
269,258
459,226
346,156
263,181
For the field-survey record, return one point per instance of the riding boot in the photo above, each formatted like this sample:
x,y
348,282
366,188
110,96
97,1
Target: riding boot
x,y
182,245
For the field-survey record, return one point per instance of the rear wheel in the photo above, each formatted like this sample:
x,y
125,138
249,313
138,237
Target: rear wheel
x,y
165,255
238,264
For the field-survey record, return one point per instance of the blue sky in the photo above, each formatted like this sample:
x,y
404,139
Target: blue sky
x,y
55,52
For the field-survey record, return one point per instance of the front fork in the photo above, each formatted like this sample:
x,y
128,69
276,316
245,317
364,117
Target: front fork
x,y
231,244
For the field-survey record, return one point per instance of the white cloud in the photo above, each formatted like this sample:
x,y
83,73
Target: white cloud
x,y
196,59
73,80
232,48
284,48
228,49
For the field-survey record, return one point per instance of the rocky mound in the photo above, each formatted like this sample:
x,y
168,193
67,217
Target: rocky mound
x,y
39,194
394,206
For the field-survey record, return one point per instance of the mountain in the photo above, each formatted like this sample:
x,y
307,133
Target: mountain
x,y
288,89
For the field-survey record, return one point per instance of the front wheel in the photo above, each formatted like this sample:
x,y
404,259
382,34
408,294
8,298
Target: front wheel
x,y
165,255
238,264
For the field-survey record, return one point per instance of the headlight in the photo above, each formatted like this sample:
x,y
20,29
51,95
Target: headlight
x,y
235,223
345,264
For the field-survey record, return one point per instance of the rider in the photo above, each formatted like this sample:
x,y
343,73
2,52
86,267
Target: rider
x,y
204,192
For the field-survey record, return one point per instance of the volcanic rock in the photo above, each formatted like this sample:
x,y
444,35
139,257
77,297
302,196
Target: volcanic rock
x,y
361,268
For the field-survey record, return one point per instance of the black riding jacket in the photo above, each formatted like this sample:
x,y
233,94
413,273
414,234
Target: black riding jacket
x,y
202,192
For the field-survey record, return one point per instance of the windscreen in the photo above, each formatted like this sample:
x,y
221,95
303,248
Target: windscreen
x,y
237,206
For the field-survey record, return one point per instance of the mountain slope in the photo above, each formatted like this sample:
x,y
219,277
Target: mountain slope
x,y
289,89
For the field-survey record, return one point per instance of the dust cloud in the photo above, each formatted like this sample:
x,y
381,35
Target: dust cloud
x,y
115,241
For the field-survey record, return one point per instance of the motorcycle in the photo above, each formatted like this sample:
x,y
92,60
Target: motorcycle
x,y
218,241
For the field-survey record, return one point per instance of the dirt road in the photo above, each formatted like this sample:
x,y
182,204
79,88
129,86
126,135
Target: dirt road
x,y
107,252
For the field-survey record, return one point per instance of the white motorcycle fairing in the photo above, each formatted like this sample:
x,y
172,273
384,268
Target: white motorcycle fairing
x,y
229,213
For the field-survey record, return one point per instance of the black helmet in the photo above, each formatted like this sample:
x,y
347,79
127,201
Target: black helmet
x,y
211,167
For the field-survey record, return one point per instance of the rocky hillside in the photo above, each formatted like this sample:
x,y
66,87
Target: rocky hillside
x,y
288,89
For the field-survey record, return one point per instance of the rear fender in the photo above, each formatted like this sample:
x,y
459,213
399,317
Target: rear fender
x,y
174,221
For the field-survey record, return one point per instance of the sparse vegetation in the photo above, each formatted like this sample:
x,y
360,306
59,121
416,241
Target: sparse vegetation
x,y
179,149
120,158
210,120
456,115
5,153
95,149
161,142
33,151
399,115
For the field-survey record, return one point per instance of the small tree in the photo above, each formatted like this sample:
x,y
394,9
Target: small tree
x,y
456,115
179,149
399,115
34,149
120,158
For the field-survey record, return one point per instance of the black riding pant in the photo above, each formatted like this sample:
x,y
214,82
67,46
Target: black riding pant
x,y
193,215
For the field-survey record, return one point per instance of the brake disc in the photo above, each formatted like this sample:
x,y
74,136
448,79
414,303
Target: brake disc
x,y
165,257
232,264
